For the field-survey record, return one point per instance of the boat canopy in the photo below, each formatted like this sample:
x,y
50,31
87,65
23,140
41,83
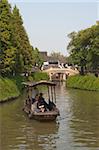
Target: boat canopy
x,y
42,82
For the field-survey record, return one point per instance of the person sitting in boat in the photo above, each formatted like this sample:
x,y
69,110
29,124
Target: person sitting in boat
x,y
42,102
34,107
42,108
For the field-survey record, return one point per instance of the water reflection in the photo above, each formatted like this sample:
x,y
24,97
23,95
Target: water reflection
x,y
84,121
77,127
20,133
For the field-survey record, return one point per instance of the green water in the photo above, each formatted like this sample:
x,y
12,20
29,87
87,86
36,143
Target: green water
x,y
77,127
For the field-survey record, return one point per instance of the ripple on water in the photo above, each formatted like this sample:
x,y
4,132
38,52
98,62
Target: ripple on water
x,y
77,127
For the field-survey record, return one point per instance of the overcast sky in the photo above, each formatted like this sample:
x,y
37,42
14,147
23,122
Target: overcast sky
x,y
49,22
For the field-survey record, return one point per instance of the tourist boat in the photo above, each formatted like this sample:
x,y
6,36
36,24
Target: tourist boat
x,y
48,115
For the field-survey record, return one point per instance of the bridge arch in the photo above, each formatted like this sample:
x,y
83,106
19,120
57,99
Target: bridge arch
x,y
58,76
62,73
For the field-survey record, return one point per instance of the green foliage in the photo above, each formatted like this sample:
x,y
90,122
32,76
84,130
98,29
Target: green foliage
x,y
18,80
7,50
37,58
37,76
24,52
30,78
11,87
8,89
16,53
84,47
88,82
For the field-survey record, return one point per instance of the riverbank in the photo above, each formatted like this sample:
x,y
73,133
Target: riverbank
x,y
11,87
88,82
8,89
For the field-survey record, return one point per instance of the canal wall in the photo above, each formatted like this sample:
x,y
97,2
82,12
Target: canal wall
x,y
87,82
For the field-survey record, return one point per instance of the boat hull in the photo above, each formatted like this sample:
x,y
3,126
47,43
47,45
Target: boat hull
x,y
42,116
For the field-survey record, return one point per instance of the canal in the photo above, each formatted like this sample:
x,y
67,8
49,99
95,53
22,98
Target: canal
x,y
77,127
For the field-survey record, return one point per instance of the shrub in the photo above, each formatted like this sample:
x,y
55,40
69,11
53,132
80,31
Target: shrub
x,y
37,76
8,89
88,82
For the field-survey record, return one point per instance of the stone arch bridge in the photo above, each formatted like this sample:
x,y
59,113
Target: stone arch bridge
x,y
60,73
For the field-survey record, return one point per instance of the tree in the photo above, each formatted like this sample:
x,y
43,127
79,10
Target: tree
x,y
93,53
37,58
16,53
7,51
84,48
24,53
58,56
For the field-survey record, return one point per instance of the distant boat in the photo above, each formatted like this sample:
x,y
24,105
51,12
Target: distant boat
x,y
51,113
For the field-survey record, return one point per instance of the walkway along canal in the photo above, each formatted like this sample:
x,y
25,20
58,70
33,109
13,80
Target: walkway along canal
x,y
77,127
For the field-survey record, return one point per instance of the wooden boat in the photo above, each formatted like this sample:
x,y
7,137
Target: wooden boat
x,y
48,115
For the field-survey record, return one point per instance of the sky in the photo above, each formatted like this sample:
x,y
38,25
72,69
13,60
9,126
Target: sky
x,y
48,22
